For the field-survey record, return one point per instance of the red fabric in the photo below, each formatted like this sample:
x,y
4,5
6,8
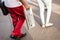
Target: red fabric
x,y
18,18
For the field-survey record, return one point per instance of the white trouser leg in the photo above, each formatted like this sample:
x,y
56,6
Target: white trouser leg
x,y
48,5
41,6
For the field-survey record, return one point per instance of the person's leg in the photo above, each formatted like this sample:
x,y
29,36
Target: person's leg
x,y
13,16
41,6
14,20
48,5
19,11
18,19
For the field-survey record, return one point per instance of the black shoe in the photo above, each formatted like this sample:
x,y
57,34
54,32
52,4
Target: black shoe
x,y
13,37
23,35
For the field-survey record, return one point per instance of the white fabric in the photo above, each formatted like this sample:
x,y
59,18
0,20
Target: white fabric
x,y
12,3
42,4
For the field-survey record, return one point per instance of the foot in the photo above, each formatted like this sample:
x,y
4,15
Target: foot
x,y
15,37
49,24
43,26
23,35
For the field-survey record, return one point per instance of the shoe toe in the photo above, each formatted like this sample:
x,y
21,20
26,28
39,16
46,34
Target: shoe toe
x,y
13,37
23,35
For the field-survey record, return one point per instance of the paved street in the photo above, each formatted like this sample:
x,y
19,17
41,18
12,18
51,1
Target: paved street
x,y
36,33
